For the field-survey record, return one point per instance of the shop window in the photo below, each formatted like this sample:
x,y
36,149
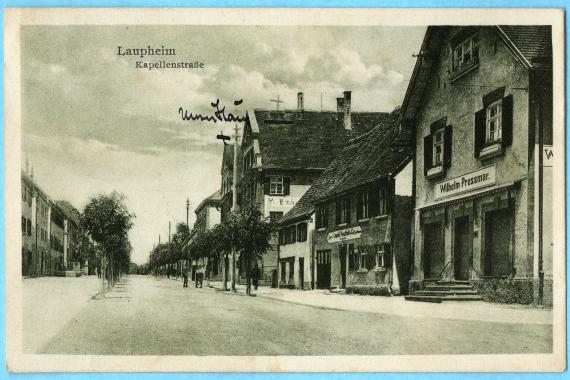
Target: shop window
x,y
321,216
383,258
363,205
494,125
353,260
274,216
302,232
291,271
437,149
343,211
465,55
367,257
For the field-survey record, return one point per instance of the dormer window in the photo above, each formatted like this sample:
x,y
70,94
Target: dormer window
x,y
276,186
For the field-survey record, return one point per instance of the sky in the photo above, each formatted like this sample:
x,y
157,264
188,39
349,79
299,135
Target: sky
x,y
93,123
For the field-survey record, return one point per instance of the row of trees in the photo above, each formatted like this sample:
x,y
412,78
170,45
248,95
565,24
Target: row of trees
x,y
246,232
107,221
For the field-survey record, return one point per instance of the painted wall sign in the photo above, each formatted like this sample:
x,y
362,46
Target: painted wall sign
x,y
346,234
474,180
276,203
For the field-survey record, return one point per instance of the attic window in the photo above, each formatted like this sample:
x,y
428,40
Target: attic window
x,y
465,56
276,186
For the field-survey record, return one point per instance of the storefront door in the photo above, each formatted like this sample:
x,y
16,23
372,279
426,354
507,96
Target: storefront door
x,y
434,254
324,269
497,259
462,260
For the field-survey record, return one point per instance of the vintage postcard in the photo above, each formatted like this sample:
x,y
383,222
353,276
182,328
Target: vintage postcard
x,y
285,190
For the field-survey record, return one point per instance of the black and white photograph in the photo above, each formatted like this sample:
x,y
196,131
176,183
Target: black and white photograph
x,y
285,190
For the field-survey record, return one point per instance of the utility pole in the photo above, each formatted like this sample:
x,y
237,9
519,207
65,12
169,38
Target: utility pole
x,y
187,213
234,200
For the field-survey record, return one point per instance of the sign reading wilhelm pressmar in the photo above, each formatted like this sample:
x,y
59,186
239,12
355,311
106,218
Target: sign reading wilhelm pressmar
x,y
474,180
346,234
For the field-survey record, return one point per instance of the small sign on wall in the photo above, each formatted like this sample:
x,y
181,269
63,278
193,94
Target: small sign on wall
x,y
346,234
471,181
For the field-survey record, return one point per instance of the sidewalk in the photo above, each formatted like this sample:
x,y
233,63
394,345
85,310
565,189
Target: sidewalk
x,y
469,311
50,303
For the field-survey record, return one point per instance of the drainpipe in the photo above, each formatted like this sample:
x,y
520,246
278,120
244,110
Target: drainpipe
x,y
540,206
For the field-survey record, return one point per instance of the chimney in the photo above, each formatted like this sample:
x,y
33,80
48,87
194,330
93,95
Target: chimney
x,y
340,105
300,102
347,111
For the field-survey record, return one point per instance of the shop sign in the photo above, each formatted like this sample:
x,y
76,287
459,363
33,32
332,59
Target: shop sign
x,y
279,203
474,180
346,234
547,156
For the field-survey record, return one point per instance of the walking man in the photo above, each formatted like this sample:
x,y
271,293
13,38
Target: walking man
x,y
185,277
200,275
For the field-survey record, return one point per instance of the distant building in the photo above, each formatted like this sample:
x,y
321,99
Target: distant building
x,y
363,215
284,152
36,230
477,101
208,215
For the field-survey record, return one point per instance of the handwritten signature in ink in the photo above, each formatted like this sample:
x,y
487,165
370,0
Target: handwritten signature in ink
x,y
219,115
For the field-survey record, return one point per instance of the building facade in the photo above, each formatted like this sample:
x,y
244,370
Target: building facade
x,y
284,152
208,215
363,216
479,102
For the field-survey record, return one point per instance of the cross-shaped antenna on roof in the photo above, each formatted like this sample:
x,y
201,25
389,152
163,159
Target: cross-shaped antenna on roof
x,y
277,101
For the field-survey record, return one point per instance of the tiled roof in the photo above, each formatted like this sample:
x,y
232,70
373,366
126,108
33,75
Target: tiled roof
x,y
533,41
366,158
213,200
307,140
69,211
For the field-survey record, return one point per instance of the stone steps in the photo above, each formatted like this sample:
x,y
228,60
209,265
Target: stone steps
x,y
446,290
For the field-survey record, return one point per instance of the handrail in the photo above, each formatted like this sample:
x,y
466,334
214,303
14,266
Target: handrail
x,y
439,276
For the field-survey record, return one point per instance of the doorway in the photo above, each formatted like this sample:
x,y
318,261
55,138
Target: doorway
x,y
302,272
342,258
462,254
434,254
497,258
324,269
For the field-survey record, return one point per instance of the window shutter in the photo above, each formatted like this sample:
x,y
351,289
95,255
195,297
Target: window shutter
x,y
338,204
286,185
507,121
359,205
266,185
373,191
428,152
348,210
480,117
447,142
325,215
389,196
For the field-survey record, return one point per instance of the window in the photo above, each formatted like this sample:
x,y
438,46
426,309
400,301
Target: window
x,y
321,216
437,149
493,125
292,234
248,160
276,186
466,53
437,157
302,232
274,216
29,227
343,211
363,205
353,260
383,259
291,271
367,257
283,271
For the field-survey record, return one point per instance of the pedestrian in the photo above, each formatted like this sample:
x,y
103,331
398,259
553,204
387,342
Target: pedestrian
x,y
255,275
200,275
185,277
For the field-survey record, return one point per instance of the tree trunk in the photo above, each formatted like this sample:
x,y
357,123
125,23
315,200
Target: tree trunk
x,y
248,291
225,273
